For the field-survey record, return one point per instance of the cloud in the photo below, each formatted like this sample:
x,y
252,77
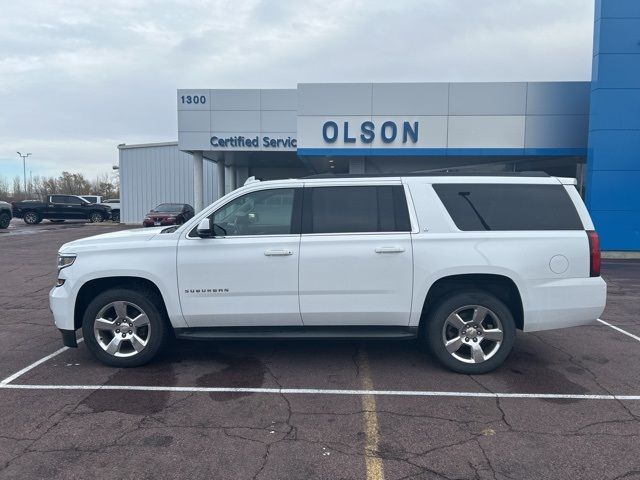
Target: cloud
x,y
77,78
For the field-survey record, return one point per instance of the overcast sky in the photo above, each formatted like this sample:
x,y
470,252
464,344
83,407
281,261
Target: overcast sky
x,y
79,77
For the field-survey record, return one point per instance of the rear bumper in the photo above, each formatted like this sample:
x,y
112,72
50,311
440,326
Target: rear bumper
x,y
564,303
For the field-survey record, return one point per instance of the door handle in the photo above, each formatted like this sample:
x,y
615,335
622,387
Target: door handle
x,y
389,250
277,253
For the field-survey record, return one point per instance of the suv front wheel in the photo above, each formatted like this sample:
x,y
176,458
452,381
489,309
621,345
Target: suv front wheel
x,y
124,328
96,217
470,332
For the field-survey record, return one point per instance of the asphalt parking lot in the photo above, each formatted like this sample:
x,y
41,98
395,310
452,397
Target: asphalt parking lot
x,y
297,410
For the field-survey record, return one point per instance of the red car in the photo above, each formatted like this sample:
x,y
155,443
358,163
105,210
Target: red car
x,y
168,214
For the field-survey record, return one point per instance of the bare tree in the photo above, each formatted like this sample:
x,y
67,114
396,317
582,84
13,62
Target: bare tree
x,y
4,188
67,183
18,194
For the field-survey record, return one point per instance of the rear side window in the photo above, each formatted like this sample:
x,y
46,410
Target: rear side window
x,y
355,209
509,207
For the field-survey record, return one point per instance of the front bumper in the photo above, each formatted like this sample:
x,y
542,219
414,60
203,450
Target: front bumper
x,y
61,304
163,223
69,338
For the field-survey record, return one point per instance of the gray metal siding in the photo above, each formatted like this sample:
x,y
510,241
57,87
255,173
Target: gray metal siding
x,y
153,174
451,115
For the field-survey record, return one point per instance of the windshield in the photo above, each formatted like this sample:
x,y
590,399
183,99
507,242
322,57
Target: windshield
x,y
169,208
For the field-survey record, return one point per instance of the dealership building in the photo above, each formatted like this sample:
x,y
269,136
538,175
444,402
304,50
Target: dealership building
x,y
589,130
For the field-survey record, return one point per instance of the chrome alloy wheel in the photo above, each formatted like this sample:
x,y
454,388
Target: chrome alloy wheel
x,y
472,334
31,218
122,329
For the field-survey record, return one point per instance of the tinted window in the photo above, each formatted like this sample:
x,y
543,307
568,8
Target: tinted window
x,y
169,208
66,199
266,212
509,207
355,209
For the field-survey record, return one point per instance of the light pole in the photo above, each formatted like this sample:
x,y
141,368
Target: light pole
x,y
24,168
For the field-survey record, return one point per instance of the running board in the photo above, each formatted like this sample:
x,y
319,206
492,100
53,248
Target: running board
x,y
258,333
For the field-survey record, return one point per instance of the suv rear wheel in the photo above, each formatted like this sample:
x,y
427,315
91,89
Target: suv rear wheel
x,y
470,332
124,328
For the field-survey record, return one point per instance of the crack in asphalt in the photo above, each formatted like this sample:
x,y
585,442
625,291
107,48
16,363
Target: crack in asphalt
x,y
579,364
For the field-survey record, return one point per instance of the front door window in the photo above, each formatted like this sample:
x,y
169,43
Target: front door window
x,y
266,212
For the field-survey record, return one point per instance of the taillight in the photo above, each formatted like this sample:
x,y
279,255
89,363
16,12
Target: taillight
x,y
594,253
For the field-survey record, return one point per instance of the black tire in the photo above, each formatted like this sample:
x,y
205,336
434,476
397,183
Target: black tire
x,y
115,216
438,329
5,219
145,301
96,217
31,217
56,221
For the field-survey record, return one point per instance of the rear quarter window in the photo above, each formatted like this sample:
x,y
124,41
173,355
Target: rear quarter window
x,y
481,207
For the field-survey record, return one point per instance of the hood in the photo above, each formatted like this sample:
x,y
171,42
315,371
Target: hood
x,y
111,238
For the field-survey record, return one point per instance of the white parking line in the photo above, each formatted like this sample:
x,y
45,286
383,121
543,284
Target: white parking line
x,y
321,391
6,384
635,337
19,373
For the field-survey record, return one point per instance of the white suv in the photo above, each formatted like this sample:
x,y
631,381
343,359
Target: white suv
x,y
460,262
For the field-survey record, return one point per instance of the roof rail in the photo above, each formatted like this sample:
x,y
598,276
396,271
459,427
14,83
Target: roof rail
x,y
250,180
429,174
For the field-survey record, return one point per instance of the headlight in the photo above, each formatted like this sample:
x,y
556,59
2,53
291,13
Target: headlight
x,y
65,260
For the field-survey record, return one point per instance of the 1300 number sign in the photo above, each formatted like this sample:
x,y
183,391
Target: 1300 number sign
x,y
193,99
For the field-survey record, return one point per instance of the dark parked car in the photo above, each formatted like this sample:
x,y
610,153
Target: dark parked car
x,y
58,208
168,214
5,214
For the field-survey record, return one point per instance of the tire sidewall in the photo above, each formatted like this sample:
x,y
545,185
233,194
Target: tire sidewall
x,y
5,219
158,323
446,306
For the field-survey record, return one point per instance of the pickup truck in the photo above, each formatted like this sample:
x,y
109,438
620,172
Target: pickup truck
x,y
58,208
114,203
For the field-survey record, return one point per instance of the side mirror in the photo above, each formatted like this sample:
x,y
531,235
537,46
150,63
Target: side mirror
x,y
252,217
205,229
